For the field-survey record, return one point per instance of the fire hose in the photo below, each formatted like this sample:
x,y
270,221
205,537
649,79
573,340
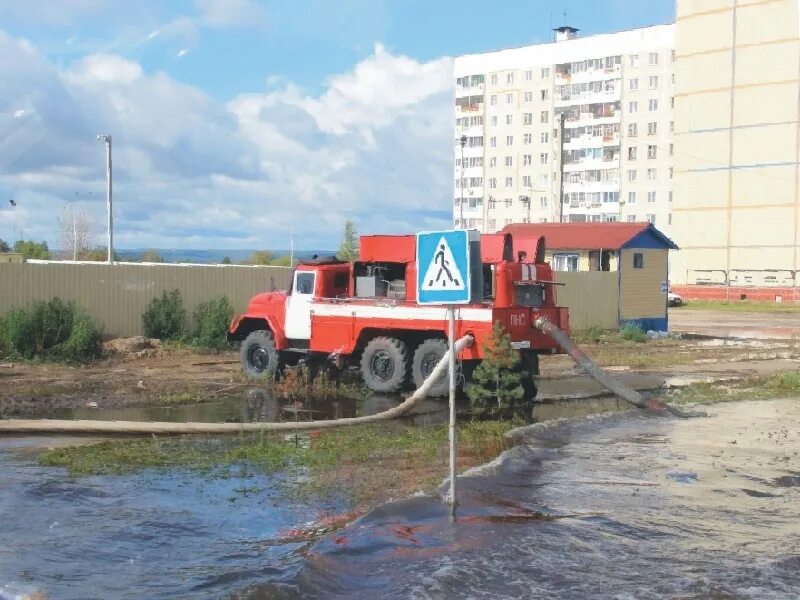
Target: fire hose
x,y
156,427
592,370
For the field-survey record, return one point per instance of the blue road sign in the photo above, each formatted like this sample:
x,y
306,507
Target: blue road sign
x,y
443,267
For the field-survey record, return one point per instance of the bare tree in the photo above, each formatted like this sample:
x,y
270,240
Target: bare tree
x,y
75,232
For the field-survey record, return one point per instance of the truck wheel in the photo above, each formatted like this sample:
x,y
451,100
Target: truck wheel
x,y
426,357
258,355
529,371
384,364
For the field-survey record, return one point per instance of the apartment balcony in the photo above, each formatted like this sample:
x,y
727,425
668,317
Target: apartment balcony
x,y
587,98
471,90
470,151
592,186
469,109
471,131
596,164
588,119
589,75
592,141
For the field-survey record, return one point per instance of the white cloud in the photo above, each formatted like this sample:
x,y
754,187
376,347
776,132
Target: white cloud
x,y
231,13
375,146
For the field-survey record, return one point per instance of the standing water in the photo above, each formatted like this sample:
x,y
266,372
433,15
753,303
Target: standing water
x,y
615,506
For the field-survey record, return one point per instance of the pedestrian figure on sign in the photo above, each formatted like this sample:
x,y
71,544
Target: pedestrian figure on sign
x,y
443,270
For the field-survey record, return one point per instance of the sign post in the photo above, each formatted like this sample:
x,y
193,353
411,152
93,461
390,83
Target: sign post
x,y
444,279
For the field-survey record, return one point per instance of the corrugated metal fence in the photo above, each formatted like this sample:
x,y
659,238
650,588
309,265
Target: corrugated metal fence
x,y
592,298
116,295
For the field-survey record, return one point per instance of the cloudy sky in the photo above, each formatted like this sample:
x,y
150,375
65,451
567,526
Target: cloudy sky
x,y
237,121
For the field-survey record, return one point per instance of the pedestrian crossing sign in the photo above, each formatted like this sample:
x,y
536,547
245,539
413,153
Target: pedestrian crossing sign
x,y
443,267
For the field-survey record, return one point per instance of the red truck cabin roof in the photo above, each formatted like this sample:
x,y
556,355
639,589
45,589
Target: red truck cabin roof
x,y
388,248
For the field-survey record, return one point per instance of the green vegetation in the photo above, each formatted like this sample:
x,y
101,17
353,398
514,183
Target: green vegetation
x,y
226,260
348,251
743,306
151,256
594,335
633,333
54,329
211,321
4,247
265,257
31,249
496,386
295,384
165,318
361,462
777,385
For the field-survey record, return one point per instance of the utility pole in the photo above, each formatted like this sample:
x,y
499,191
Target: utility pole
x,y
104,137
463,141
561,167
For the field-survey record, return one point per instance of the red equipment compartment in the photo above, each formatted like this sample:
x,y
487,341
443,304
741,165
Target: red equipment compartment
x,y
388,248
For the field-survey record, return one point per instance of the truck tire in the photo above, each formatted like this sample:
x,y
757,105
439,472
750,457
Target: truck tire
x,y
426,357
529,371
384,364
258,355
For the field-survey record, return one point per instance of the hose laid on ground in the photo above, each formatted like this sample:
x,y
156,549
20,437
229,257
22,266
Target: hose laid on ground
x,y
600,376
160,427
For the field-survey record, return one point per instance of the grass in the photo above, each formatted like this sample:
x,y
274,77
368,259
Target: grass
x,y
366,464
778,385
743,306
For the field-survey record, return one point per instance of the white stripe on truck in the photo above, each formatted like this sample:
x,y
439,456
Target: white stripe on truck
x,y
411,313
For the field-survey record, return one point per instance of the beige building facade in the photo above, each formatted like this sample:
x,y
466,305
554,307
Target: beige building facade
x,y
736,209
602,104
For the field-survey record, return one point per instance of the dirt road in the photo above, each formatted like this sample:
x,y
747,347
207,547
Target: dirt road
x,y
752,325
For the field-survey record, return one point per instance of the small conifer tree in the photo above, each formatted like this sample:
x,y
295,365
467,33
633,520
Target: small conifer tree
x,y
496,383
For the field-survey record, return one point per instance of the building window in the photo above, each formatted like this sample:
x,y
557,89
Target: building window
x,y
507,202
545,137
528,75
492,224
494,79
671,149
528,97
510,78
631,197
651,174
633,83
631,218
654,58
653,82
507,221
669,219
509,140
544,117
633,130
545,72
632,153
494,121
492,183
493,161
527,119
653,104
631,175
509,182
633,106
509,161
651,219
509,98
633,60
493,142
652,128
493,100
545,94
638,260
565,262
672,102
671,172
509,119
670,195
651,151
543,158
543,201
543,180
526,138
526,160
526,181
651,196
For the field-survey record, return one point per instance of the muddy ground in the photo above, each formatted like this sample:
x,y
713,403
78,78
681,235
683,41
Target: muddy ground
x,y
173,376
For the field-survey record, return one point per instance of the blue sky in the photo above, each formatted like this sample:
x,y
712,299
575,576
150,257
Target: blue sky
x,y
236,120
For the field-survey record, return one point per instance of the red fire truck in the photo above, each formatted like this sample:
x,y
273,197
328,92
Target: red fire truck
x,y
365,314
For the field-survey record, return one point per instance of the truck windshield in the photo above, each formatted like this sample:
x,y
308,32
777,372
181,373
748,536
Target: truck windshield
x,y
529,294
304,283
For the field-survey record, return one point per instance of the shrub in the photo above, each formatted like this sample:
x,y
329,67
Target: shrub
x,y
496,385
165,318
54,329
211,320
633,333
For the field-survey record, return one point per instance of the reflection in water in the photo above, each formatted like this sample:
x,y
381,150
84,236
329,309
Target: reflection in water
x,y
617,506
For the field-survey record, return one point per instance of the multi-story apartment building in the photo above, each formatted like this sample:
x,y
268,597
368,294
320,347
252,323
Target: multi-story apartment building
x,y
737,159
597,109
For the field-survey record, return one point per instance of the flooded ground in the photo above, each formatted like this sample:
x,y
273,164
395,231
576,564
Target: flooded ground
x,y
621,505
618,506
